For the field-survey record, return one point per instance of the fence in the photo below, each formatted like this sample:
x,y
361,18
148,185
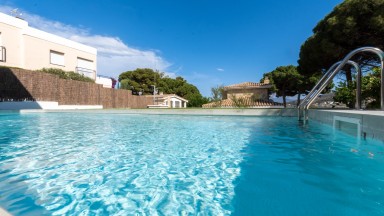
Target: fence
x,y
23,85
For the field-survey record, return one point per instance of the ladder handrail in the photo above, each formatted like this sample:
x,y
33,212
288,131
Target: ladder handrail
x,y
327,81
321,81
345,60
309,98
324,82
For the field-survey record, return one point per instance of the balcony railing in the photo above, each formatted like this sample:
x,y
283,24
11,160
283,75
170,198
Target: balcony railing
x,y
86,72
3,54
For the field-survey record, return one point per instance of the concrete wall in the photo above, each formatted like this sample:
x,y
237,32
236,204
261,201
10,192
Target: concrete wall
x,y
30,48
23,85
372,122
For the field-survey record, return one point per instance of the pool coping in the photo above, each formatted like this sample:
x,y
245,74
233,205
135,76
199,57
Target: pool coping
x,y
3,212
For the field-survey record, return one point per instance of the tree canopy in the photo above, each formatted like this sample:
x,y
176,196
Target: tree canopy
x,y
286,81
140,79
351,24
143,80
370,84
217,93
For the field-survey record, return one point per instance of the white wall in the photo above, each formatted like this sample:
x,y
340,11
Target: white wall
x,y
30,48
106,82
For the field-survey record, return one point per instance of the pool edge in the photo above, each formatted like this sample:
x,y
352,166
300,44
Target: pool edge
x,y
3,212
372,122
210,112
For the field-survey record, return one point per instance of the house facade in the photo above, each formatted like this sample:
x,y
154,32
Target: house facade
x,y
246,94
258,91
105,81
25,47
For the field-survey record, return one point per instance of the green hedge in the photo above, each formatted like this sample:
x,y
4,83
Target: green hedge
x,y
69,75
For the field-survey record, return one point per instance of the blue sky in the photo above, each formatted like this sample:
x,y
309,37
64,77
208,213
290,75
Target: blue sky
x,y
208,42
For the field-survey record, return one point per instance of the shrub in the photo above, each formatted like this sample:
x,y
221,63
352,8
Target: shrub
x,y
69,75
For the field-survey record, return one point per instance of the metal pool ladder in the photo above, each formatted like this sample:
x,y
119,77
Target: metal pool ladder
x,y
330,74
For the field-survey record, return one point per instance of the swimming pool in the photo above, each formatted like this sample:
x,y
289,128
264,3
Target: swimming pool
x,y
117,164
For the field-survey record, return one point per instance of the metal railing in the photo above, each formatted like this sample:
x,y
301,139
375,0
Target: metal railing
x,y
330,74
321,84
3,54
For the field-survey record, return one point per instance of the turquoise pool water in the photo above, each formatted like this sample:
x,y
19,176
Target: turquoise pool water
x,y
116,164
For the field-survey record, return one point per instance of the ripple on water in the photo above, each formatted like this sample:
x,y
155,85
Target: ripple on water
x,y
87,165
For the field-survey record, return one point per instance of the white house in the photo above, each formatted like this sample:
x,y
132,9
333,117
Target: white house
x,y
167,101
25,47
107,82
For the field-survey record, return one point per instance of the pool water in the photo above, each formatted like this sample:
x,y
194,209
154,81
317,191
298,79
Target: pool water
x,y
117,164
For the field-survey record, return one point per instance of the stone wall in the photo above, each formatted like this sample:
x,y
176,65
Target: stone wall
x,y
24,85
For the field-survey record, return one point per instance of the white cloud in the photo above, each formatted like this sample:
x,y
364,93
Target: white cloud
x,y
220,69
114,56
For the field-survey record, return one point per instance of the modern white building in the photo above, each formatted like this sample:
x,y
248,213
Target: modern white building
x,y
107,82
25,47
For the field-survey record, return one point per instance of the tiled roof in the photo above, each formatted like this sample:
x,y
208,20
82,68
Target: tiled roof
x,y
242,102
247,85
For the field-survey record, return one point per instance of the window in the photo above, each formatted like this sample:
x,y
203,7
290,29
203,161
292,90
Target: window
x,y
57,58
3,53
84,63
